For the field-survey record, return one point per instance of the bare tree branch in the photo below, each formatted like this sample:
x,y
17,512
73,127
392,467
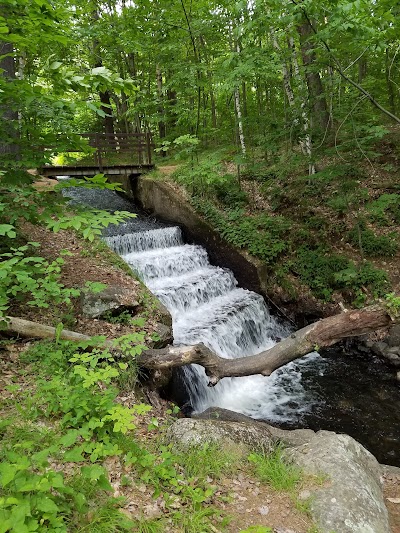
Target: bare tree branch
x,y
321,334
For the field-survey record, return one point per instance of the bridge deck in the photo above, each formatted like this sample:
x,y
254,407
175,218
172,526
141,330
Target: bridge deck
x,y
90,171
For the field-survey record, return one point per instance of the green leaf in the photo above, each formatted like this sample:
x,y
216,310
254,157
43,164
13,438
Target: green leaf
x,y
55,65
69,438
74,455
46,505
7,473
93,472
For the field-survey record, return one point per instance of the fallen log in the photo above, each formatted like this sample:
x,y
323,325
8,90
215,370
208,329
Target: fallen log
x,y
321,334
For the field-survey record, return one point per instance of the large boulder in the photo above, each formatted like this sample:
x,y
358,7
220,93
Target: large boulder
x,y
351,501
294,437
187,432
113,300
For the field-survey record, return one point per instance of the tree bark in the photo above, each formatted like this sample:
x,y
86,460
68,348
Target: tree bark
x,y
9,148
162,128
321,334
320,116
105,97
305,142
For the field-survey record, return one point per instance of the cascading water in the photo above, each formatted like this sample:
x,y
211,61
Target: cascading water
x,y
207,307
341,392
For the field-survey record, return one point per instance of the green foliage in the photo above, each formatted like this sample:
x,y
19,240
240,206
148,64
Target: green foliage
x,y
257,529
385,210
227,191
260,235
31,500
356,278
31,278
317,269
99,181
325,272
349,197
125,318
183,146
88,222
25,276
209,460
371,244
273,469
392,303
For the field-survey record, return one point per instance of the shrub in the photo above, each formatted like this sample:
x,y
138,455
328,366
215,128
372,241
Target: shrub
x,y
228,192
386,209
373,245
317,269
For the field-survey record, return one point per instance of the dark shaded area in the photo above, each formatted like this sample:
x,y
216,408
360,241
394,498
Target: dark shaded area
x,y
357,395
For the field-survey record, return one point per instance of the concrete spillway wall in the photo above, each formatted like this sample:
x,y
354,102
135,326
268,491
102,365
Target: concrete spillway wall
x,y
163,201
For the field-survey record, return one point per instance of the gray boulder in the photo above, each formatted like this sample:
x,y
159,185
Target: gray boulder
x,y
113,299
187,432
351,501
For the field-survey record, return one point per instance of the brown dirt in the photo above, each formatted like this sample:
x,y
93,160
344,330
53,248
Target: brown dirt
x,y
392,498
81,266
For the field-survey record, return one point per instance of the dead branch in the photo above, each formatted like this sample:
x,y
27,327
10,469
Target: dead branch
x,y
321,334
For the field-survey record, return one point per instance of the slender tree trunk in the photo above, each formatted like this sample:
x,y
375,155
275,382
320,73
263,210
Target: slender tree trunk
x,y
389,84
105,97
9,148
304,142
239,119
162,129
319,110
362,68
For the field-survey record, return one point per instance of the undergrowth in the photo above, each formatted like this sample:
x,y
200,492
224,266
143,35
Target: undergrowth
x,y
295,244
63,420
57,435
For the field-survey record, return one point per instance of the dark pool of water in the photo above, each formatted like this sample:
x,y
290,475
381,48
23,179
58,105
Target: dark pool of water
x,y
358,395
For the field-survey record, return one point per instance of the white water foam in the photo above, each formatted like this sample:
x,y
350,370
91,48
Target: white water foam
x,y
145,240
207,307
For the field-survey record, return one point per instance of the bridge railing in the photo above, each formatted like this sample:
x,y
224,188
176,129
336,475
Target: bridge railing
x,y
121,148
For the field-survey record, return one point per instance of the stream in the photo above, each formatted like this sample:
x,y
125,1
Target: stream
x,y
348,393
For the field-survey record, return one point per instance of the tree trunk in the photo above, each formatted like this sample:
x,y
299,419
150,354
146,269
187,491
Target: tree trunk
x,y
105,97
321,334
9,147
305,141
362,68
162,129
319,110
389,83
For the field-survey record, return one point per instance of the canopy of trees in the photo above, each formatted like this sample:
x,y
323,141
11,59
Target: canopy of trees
x,y
255,73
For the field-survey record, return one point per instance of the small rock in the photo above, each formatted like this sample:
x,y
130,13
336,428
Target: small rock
x,y
264,510
304,495
112,299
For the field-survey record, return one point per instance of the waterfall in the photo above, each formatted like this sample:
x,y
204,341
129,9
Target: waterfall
x,y
207,306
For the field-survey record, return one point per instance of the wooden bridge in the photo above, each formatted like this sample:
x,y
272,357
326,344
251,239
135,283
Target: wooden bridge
x,y
114,155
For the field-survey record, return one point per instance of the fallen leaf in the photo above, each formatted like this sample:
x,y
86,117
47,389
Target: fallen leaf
x,y
393,500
